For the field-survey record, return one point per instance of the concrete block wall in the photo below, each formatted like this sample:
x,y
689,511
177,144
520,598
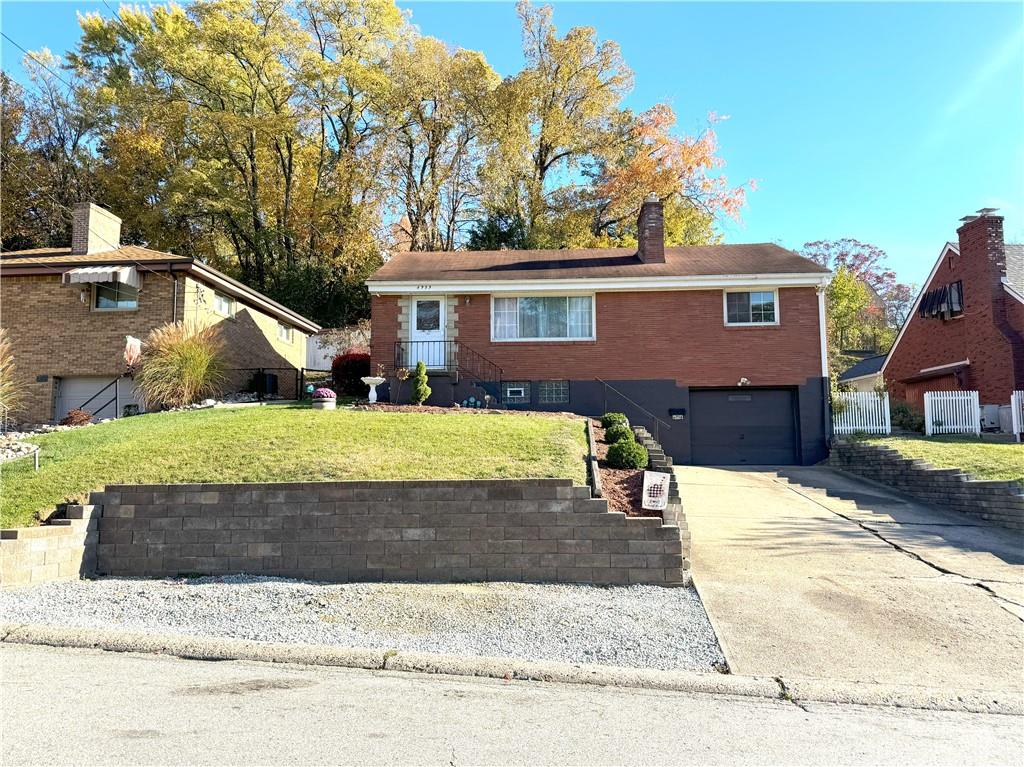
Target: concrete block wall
x,y
1001,503
63,549
541,530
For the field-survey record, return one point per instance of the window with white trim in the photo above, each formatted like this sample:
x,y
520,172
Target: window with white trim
x,y
115,296
543,318
553,392
223,305
517,393
751,307
284,333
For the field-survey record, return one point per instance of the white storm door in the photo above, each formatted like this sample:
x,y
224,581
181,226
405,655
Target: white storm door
x,y
427,333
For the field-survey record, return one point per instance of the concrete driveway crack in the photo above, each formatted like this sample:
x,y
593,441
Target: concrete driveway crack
x,y
786,695
914,555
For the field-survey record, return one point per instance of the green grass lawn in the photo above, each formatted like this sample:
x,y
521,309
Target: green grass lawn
x,y
282,443
984,460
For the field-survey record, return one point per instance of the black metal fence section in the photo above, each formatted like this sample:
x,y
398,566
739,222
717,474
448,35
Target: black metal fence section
x,y
105,405
655,421
284,383
449,356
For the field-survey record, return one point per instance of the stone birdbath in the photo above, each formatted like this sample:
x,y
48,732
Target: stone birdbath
x,y
373,382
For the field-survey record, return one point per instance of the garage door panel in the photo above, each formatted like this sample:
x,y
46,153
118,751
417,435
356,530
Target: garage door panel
x,y
745,426
94,394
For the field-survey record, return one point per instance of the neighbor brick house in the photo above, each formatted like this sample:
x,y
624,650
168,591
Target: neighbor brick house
x,y
718,349
966,330
68,311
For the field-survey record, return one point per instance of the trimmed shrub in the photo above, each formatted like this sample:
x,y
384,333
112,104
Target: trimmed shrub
x,y
181,363
11,390
420,390
611,418
904,416
76,417
348,369
627,454
618,431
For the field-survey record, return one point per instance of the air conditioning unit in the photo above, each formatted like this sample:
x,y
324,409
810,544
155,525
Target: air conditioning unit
x,y
990,417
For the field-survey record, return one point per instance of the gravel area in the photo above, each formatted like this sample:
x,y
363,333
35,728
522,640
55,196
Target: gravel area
x,y
640,626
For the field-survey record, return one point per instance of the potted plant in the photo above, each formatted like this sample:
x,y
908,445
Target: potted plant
x,y
324,399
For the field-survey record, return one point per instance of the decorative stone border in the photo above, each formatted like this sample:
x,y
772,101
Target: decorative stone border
x,y
999,502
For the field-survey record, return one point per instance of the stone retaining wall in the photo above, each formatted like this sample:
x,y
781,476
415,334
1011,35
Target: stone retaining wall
x,y
509,530
63,549
1001,503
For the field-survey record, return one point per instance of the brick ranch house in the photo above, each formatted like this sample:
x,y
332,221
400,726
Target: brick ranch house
x,y
68,310
719,350
966,330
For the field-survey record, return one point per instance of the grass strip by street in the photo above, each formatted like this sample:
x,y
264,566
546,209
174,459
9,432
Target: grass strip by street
x,y
979,458
289,443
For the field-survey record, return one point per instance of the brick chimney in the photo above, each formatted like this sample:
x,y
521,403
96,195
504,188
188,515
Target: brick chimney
x,y
651,231
93,229
984,253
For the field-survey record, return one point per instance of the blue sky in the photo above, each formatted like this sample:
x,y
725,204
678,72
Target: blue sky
x,y
884,122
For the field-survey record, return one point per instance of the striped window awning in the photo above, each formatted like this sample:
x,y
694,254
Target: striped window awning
x,y
127,275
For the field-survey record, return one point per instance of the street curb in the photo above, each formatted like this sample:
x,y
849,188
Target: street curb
x,y
797,691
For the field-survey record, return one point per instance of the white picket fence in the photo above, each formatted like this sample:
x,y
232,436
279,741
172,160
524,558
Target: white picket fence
x,y
952,412
862,411
1017,410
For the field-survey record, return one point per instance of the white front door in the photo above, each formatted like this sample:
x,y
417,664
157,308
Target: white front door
x,y
426,336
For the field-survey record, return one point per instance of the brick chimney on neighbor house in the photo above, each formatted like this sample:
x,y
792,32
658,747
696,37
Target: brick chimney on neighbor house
x,y
651,231
93,229
984,254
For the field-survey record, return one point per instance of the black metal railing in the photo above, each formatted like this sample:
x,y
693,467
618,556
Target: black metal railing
x,y
655,421
105,405
449,357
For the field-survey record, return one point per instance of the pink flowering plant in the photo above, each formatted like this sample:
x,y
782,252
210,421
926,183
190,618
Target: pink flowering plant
x,y
324,393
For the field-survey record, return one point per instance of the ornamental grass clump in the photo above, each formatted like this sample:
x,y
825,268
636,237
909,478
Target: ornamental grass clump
x,y
182,363
11,393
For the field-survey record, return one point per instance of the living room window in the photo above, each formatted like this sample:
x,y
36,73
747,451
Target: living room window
x,y
114,297
751,307
542,318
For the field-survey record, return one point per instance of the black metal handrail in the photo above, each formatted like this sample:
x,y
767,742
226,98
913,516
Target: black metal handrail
x,y
94,396
635,404
448,356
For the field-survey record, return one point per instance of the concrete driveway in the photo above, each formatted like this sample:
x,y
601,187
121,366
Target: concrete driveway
x,y
809,571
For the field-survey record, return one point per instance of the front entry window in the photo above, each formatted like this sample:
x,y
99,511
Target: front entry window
x,y
428,315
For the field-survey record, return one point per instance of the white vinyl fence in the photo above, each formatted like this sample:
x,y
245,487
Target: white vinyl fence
x,y
1017,409
951,412
865,411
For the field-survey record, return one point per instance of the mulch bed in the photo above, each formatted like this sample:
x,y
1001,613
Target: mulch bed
x,y
623,488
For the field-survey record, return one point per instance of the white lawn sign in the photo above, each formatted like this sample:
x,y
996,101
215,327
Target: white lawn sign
x,y
656,484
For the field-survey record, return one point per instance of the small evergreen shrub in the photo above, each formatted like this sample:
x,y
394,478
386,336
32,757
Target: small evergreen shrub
x,y
627,454
76,417
420,390
617,431
610,418
348,370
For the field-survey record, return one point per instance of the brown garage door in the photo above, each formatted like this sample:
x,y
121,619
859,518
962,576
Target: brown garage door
x,y
743,426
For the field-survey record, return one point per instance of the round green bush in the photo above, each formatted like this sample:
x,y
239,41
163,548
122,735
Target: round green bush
x,y
617,431
627,454
610,418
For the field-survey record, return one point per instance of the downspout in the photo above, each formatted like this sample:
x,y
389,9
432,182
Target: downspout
x,y
174,300
823,347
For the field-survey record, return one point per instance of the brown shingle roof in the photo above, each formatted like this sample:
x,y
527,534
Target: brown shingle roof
x,y
502,265
59,256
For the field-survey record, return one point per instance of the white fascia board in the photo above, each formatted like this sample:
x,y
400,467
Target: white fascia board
x,y
1012,291
602,284
946,249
